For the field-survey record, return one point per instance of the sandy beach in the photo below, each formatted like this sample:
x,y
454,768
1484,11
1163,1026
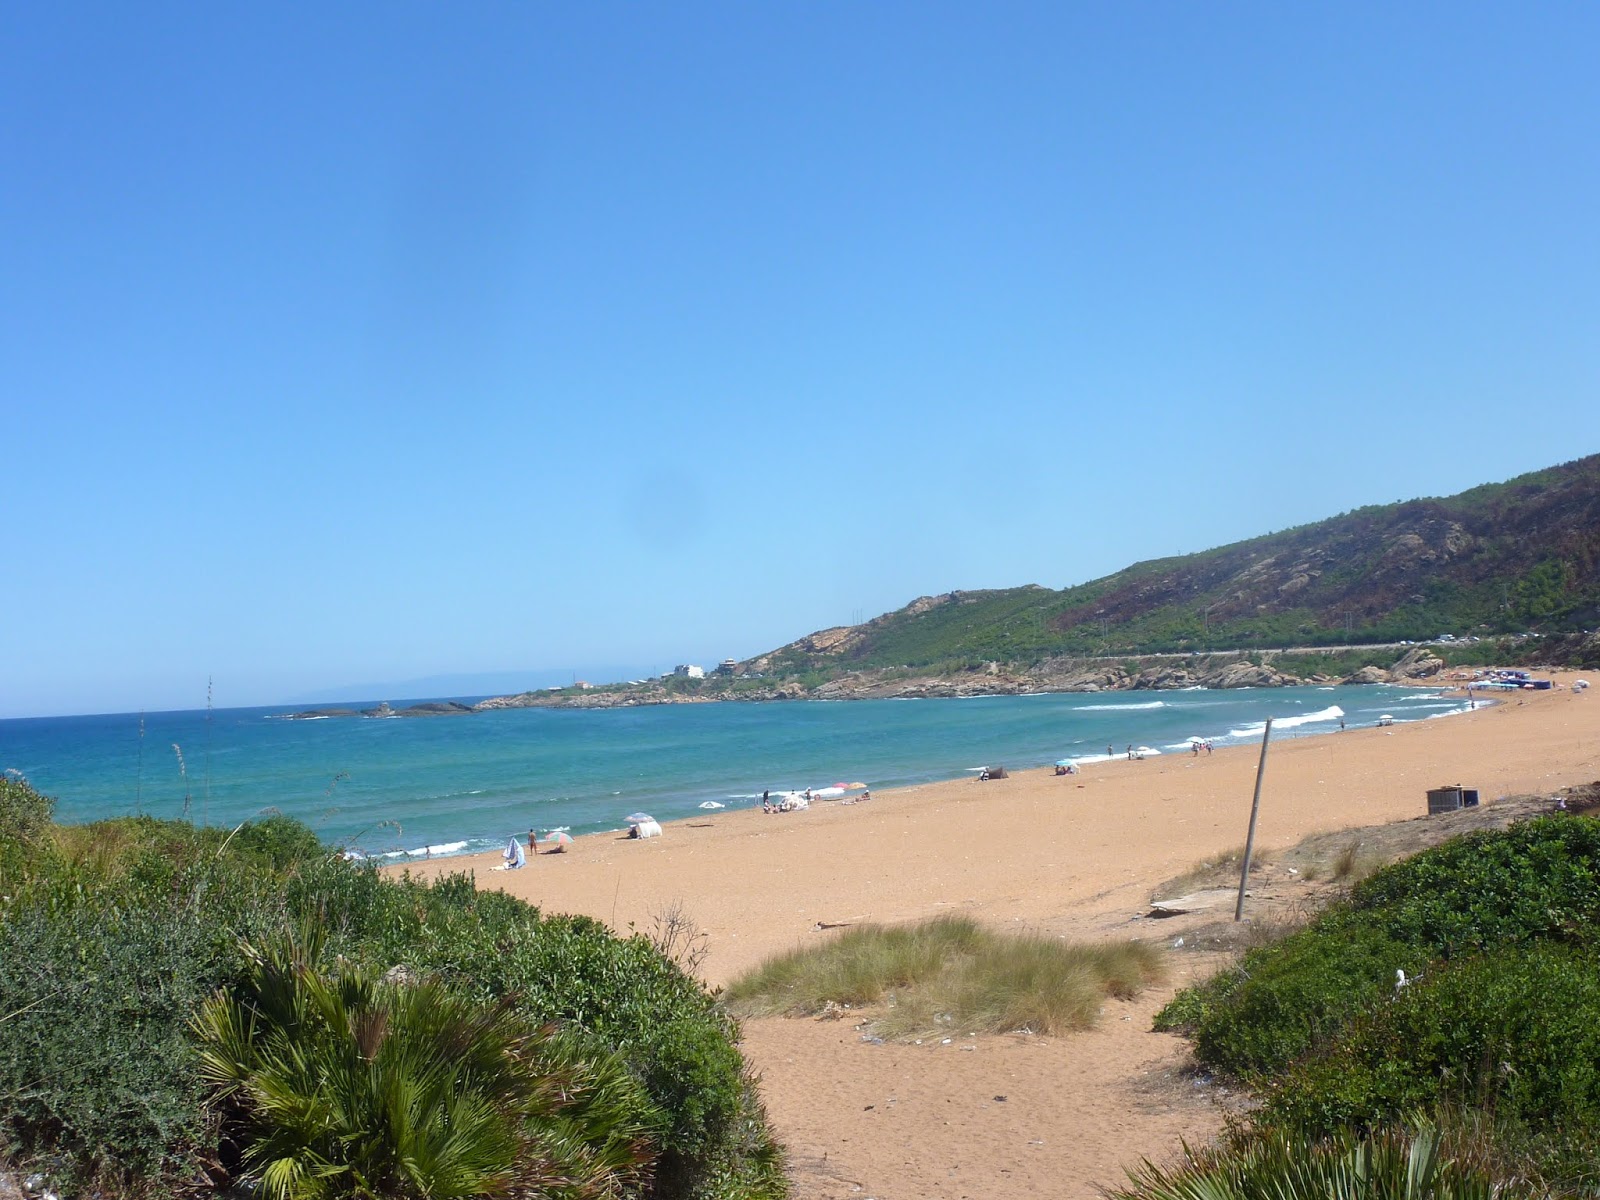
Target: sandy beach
x,y
1076,856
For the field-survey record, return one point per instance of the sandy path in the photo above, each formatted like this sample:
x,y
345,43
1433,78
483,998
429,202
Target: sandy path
x,y
1074,855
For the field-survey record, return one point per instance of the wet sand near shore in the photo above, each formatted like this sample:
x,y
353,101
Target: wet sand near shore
x,y
1077,856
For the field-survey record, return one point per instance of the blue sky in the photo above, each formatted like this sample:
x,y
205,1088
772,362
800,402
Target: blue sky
x,y
380,342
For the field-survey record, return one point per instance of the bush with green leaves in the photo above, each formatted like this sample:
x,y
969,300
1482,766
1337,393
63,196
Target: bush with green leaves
x,y
113,935
344,1085
1535,881
1393,1165
1515,1032
620,993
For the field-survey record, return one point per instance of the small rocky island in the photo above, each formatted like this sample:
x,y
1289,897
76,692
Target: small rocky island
x,y
433,708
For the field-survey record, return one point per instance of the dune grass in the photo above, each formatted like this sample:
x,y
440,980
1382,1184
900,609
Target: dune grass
x,y
1217,870
949,975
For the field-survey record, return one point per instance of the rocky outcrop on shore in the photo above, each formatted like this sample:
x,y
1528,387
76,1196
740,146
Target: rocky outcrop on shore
x,y
1419,663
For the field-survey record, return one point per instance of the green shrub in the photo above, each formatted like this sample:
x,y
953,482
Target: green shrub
x,y
24,822
1282,1166
344,1086
96,1065
1515,1032
112,935
1535,881
620,994
279,842
1284,998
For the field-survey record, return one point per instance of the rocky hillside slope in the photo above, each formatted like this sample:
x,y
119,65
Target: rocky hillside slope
x,y
1510,557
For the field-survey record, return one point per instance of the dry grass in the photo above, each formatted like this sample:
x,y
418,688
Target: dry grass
x,y
1219,870
947,976
103,847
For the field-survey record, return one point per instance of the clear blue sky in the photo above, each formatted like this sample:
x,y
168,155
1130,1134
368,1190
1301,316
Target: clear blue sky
x,y
348,343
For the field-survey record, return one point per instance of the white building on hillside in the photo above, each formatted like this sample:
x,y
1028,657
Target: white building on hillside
x,y
689,671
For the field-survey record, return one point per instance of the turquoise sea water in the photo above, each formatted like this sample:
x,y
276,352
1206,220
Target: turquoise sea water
x,y
462,784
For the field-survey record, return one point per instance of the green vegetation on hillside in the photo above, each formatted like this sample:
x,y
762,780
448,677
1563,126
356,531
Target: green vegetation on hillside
x,y
1504,558
146,968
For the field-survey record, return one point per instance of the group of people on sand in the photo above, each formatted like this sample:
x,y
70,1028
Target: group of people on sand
x,y
513,853
793,803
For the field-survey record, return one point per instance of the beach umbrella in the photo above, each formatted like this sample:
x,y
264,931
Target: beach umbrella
x,y
555,843
849,787
1063,762
636,818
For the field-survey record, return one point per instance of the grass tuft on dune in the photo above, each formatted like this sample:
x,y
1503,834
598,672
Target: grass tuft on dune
x,y
949,975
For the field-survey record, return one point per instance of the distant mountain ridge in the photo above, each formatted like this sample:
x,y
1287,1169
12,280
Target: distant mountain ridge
x,y
1510,557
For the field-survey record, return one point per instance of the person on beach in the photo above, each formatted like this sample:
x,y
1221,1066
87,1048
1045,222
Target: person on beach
x,y
865,796
1110,753
533,842
1130,751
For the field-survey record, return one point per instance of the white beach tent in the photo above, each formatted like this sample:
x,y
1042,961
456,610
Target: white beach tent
x,y
648,828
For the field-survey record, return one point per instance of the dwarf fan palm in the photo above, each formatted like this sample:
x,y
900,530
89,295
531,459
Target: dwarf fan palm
x,y
1393,1165
347,1086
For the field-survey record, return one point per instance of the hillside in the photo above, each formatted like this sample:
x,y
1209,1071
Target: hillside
x,y
1510,557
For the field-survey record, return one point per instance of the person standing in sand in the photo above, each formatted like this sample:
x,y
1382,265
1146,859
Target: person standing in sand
x,y
533,842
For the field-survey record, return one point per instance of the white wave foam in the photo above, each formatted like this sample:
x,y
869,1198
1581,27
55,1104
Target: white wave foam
x,y
442,849
1119,707
1332,713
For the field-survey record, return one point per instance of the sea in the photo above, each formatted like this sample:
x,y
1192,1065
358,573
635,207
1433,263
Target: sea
x,y
401,787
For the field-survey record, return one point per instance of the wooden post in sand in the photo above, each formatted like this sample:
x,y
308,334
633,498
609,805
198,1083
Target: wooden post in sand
x,y
1250,838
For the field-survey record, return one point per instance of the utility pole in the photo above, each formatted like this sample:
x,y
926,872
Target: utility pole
x,y
1255,808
